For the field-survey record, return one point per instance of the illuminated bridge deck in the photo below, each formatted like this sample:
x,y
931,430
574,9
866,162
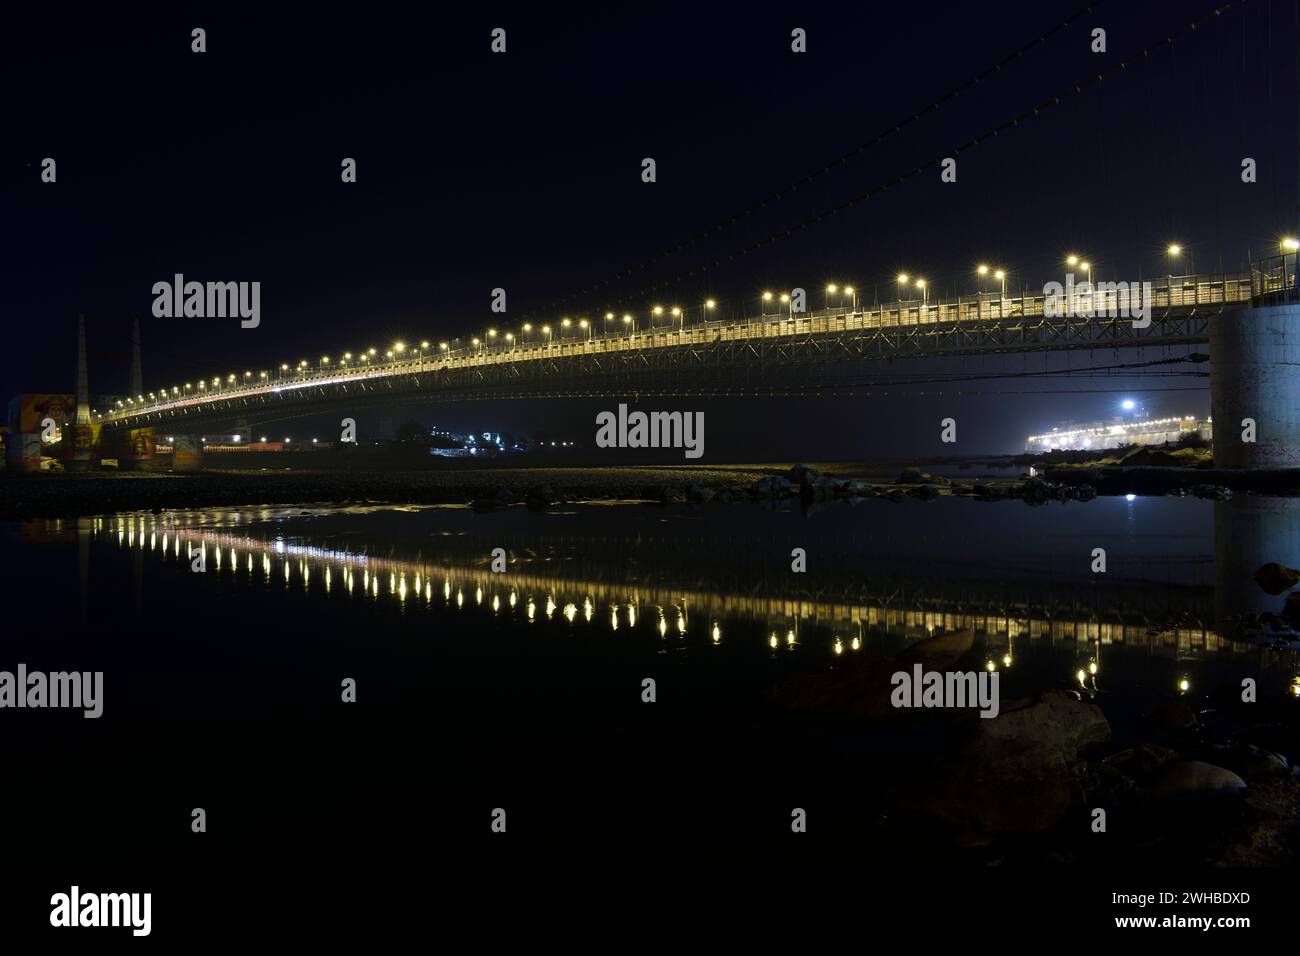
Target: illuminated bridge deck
x,y
701,358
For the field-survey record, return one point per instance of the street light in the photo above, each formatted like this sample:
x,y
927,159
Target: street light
x,y
1290,244
1001,276
709,306
628,320
767,297
925,296
830,291
852,293
677,314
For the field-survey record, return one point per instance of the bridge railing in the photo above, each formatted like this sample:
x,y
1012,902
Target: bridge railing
x,y
1273,280
1268,278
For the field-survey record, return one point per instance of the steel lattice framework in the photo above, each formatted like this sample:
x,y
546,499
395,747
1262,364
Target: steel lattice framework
x,y
767,355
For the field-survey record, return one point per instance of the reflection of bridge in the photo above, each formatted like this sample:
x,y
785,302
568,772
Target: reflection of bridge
x,y
786,351
677,604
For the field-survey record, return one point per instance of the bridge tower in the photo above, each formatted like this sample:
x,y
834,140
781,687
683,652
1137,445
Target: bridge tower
x,y
137,376
81,430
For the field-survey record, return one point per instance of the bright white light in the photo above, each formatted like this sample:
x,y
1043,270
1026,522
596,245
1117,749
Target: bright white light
x,y
1127,404
1130,497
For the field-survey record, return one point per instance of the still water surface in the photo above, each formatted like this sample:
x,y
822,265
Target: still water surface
x,y
515,675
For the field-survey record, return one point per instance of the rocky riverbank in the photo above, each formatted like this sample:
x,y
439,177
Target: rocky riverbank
x,y
71,495
64,495
1071,775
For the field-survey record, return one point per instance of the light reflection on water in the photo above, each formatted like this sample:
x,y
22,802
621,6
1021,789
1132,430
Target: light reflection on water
x,y
878,580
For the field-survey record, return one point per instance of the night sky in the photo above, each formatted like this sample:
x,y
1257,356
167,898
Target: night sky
x,y
522,171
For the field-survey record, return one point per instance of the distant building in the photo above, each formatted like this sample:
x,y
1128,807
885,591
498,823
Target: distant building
x,y
1117,434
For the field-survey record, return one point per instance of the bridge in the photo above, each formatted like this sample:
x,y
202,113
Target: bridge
x,y
787,353
1250,321
782,353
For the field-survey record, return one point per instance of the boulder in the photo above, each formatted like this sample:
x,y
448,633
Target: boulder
x,y
1275,578
1036,491
800,474
1194,778
771,486
1013,773
1251,762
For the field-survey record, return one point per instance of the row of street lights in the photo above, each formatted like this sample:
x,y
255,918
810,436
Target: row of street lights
x,y
1173,250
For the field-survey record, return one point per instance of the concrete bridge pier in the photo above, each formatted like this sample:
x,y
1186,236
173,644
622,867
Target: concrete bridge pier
x,y
187,453
1250,531
1255,374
